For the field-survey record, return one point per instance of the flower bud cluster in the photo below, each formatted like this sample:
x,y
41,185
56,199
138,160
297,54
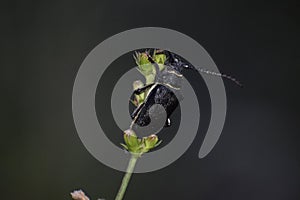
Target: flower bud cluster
x,y
136,145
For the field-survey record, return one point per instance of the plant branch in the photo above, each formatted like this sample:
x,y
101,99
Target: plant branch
x,y
127,177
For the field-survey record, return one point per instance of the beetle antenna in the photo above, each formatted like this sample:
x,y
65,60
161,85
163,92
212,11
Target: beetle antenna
x,y
201,70
220,75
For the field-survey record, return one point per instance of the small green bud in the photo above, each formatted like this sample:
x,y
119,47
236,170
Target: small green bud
x,y
139,146
131,141
160,58
150,142
138,98
130,138
137,84
150,78
143,59
145,67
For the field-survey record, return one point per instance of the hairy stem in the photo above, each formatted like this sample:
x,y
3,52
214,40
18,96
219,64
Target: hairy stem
x,y
127,176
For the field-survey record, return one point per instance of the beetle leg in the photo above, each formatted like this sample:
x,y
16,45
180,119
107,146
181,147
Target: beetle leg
x,y
168,122
136,111
141,90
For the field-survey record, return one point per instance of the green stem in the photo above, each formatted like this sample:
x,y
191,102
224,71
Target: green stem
x,y
127,176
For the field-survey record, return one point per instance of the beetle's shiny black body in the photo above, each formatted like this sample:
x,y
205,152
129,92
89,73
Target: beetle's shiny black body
x,y
158,94
165,91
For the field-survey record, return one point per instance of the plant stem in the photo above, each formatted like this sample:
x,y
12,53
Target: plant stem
x,y
127,176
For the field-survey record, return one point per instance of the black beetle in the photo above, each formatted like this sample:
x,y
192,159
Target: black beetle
x,y
165,90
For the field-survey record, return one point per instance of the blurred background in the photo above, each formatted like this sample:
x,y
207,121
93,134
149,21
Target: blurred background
x,y
43,44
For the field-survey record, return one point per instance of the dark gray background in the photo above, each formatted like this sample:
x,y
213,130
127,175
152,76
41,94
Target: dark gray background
x,y
43,44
